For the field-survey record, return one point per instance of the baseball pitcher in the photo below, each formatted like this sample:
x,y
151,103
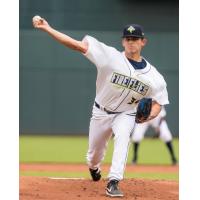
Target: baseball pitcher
x,y
123,80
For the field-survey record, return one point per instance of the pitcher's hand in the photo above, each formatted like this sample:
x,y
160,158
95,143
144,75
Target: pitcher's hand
x,y
40,23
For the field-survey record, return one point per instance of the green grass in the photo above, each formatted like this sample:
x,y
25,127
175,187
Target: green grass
x,y
68,149
52,149
165,176
154,151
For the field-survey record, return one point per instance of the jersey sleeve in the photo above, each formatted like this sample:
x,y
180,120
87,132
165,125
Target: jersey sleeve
x,y
161,96
98,53
159,92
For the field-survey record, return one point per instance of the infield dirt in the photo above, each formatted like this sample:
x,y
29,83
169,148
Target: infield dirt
x,y
44,188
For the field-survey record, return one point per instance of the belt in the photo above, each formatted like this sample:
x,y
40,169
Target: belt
x,y
104,109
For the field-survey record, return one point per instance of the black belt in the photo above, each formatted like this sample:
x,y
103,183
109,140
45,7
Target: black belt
x,y
107,111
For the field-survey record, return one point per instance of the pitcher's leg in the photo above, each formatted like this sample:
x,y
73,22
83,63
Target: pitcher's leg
x,y
122,127
99,134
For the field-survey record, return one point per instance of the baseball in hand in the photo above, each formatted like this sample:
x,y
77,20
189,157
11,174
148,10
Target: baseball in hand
x,y
36,19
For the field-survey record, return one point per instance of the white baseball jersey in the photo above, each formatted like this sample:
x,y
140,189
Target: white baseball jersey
x,y
119,87
118,84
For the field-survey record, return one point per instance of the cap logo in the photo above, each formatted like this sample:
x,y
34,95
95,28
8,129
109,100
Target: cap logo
x,y
130,29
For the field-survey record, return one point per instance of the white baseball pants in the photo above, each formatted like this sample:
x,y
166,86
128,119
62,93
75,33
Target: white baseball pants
x,y
102,126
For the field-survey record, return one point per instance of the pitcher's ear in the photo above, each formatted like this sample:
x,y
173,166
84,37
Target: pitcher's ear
x,y
144,41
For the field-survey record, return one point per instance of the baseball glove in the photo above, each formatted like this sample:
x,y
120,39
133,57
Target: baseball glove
x,y
143,110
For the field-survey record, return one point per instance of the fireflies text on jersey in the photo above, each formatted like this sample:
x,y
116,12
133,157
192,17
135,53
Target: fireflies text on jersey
x,y
130,83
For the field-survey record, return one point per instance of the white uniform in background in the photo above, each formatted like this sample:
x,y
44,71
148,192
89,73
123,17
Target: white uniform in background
x,y
158,124
119,87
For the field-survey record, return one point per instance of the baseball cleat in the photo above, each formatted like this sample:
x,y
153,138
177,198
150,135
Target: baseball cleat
x,y
112,189
95,174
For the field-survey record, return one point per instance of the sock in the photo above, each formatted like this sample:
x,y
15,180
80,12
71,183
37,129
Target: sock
x,y
171,150
135,150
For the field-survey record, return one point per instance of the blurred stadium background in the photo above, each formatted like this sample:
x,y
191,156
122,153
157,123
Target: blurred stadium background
x,y
57,85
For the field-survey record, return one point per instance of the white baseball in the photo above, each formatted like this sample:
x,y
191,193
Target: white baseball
x,y
36,18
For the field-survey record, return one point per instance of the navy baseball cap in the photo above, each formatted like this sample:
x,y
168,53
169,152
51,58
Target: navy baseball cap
x,y
133,30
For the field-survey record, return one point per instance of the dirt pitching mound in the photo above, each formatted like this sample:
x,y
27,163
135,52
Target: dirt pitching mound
x,y
36,188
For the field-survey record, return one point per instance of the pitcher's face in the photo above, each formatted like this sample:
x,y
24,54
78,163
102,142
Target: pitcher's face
x,y
133,45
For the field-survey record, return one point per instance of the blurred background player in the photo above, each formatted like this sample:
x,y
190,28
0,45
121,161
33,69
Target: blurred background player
x,y
160,126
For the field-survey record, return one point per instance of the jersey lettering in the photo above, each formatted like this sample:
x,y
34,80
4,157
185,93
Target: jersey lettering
x,y
129,83
115,78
